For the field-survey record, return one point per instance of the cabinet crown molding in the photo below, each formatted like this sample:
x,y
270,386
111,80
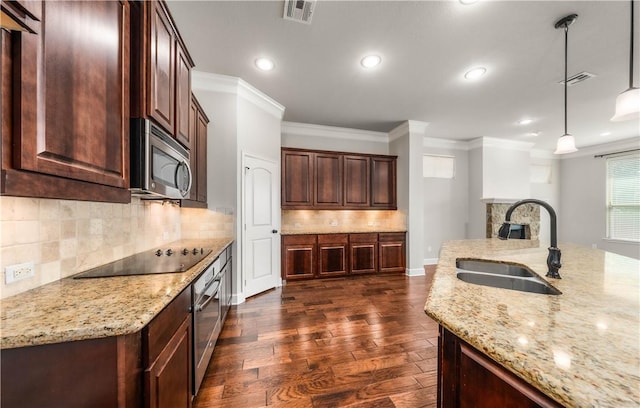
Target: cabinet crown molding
x,y
207,81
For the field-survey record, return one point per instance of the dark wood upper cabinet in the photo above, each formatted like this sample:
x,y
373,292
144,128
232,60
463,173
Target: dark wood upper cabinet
x,y
162,78
328,180
297,179
357,176
383,182
161,75
70,103
183,97
198,123
313,179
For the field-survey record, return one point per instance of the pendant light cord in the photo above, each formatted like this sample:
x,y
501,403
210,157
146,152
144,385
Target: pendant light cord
x,y
566,47
631,51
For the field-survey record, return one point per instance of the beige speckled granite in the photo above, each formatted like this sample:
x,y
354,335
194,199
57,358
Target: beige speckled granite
x,y
78,309
581,348
338,230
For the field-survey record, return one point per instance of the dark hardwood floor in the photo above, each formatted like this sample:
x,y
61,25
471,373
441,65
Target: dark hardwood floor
x,y
361,341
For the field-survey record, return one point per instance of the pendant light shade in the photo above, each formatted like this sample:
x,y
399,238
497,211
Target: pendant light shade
x,y
628,102
566,143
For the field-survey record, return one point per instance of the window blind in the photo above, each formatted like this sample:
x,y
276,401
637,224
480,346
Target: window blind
x,y
623,197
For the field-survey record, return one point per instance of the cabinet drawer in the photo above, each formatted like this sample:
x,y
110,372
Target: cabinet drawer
x,y
333,239
160,330
369,237
391,236
299,239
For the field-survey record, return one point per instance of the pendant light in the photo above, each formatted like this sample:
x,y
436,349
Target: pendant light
x,y
628,102
566,143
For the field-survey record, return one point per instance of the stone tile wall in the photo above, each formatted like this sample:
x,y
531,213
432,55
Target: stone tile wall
x,y
63,237
321,220
527,214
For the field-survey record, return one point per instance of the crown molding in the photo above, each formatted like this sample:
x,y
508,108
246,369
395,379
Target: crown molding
x,y
406,128
207,81
333,132
604,148
500,143
436,143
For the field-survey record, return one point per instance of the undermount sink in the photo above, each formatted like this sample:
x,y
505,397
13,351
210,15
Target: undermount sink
x,y
503,276
498,268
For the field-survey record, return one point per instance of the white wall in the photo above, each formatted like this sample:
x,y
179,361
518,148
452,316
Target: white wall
x,y
582,215
446,203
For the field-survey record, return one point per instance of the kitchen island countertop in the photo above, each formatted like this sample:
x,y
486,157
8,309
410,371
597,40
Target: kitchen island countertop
x,y
581,348
79,309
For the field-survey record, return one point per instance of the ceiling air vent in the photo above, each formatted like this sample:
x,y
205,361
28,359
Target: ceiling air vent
x,y
299,10
577,78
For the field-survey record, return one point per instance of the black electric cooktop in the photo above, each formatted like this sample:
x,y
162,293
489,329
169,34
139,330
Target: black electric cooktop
x,y
169,260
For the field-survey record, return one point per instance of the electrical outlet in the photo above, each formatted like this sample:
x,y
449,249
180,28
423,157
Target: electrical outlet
x,y
334,223
18,272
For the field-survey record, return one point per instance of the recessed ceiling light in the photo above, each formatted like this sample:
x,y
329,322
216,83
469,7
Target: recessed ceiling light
x,y
265,64
524,122
370,61
605,134
467,2
475,73
533,134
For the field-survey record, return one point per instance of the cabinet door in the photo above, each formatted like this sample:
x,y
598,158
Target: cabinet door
x,y
183,98
363,251
391,250
356,181
297,179
162,77
383,182
201,152
328,180
72,95
332,254
298,256
168,378
21,15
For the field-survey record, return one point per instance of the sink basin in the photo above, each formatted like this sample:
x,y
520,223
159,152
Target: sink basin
x,y
498,268
523,284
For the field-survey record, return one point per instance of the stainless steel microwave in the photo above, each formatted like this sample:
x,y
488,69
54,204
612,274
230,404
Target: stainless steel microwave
x,y
159,164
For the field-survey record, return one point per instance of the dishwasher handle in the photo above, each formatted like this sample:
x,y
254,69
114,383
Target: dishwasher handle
x,y
200,306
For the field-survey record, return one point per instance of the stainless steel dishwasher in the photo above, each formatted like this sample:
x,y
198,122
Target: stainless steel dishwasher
x,y
207,314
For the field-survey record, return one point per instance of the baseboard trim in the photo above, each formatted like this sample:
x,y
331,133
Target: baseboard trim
x,y
238,299
414,272
431,261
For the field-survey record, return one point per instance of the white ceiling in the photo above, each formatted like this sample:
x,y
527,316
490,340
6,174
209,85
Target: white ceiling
x,y
426,48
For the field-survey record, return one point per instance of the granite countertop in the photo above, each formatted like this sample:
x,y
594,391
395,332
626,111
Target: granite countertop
x,y
339,230
581,348
78,309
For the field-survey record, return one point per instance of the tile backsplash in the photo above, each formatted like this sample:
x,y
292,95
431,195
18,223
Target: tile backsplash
x,y
64,237
321,220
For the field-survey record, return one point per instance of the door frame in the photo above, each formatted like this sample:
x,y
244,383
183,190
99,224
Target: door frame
x,y
278,219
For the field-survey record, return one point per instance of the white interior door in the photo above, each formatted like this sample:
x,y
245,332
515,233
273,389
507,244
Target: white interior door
x,y
261,237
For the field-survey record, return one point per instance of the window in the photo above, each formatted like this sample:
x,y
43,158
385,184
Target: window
x,y
438,166
623,197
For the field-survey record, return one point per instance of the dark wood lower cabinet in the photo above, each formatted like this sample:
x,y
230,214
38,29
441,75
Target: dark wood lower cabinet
x,y
299,256
332,255
391,251
468,378
166,381
326,255
363,253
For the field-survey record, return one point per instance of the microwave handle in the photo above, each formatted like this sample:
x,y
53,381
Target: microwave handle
x,y
188,168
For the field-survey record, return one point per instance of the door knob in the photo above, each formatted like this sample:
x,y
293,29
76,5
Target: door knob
x,y
275,231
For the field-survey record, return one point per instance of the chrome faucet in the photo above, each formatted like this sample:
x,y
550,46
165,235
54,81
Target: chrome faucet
x,y
553,260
